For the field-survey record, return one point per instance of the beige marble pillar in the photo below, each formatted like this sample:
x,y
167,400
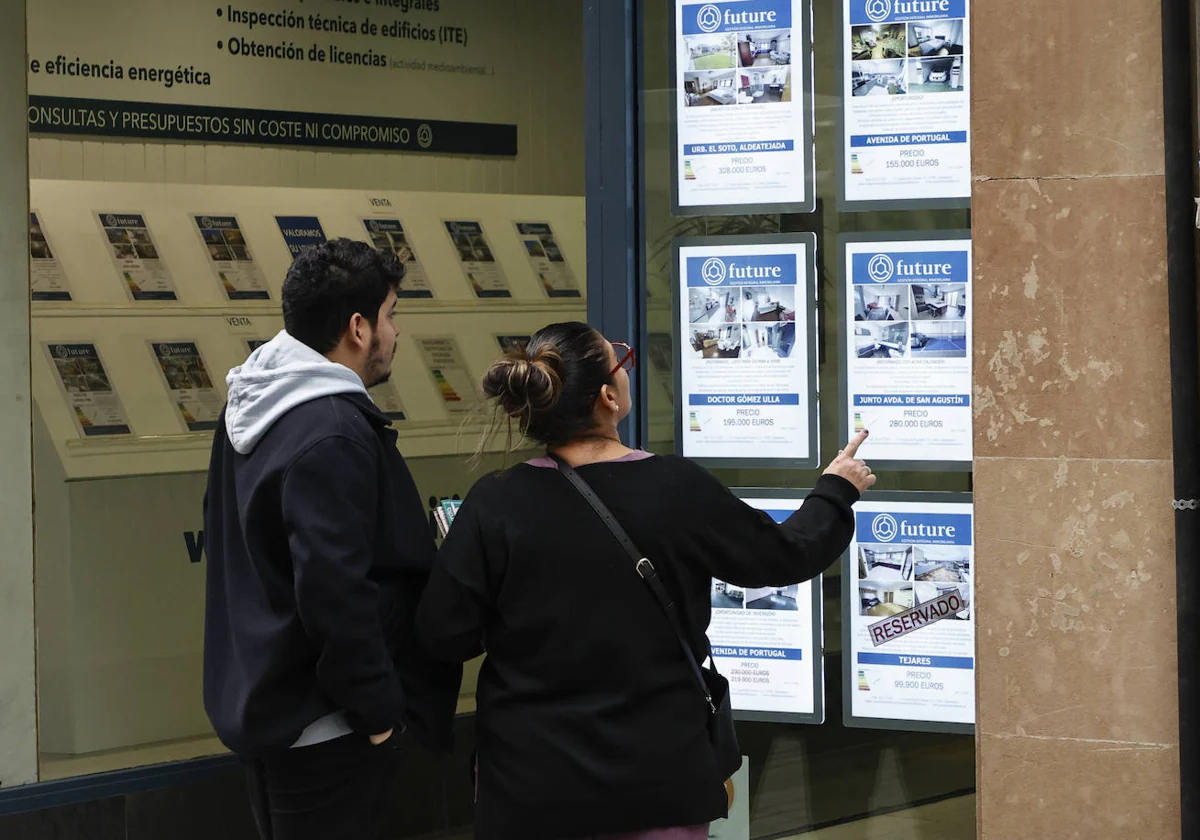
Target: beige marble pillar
x,y
1077,676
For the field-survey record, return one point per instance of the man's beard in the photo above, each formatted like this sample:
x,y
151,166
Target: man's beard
x,y
379,369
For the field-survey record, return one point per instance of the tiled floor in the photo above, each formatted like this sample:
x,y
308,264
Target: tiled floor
x,y
950,819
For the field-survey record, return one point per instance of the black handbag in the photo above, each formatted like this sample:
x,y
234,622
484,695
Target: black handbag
x,y
721,733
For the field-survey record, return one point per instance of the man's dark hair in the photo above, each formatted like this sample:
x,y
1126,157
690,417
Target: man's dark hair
x,y
328,283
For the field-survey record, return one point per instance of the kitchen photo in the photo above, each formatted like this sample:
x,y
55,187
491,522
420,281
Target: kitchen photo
x,y
765,86
773,598
878,78
939,301
881,339
768,341
712,307
767,303
884,598
726,596
712,52
702,88
882,303
939,340
722,343
769,48
887,562
878,41
943,570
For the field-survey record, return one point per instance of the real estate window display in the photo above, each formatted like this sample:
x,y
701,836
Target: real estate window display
x,y
812,777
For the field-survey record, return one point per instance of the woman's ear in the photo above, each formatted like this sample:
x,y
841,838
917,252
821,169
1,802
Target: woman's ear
x,y
609,398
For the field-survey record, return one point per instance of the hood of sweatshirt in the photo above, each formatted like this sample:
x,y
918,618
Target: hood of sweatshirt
x,y
278,376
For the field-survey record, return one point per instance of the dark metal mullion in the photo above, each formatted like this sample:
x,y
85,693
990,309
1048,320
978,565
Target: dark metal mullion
x,y
611,85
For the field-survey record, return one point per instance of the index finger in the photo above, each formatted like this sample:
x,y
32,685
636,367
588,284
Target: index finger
x,y
852,447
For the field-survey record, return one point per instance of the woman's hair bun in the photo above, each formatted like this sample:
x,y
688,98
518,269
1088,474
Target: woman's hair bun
x,y
526,381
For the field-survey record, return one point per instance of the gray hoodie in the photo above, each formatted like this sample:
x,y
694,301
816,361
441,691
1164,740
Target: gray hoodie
x,y
279,376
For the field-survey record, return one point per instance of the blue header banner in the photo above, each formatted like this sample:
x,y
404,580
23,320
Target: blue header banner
x,y
879,268
474,228
384,226
739,147
743,399
120,220
737,16
217,222
913,528
929,138
908,661
727,652
748,270
952,400
864,12
300,232
534,229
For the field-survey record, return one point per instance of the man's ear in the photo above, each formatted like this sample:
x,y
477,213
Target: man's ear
x,y
357,331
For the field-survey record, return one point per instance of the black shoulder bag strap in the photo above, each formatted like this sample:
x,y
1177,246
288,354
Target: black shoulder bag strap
x,y
644,568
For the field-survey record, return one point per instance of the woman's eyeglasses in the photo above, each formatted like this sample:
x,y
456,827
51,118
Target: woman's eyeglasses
x,y
625,357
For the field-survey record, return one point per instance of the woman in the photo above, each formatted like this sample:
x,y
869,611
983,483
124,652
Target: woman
x,y
589,722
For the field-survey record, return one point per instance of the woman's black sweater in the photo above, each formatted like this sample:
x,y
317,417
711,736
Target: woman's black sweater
x,y
588,720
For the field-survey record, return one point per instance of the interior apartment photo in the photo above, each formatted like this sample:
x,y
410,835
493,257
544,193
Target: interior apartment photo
x,y
765,87
882,303
887,562
765,49
768,341
878,41
940,301
712,307
878,78
718,343
936,57
709,87
773,598
712,52
883,598
767,303
726,596
881,339
939,339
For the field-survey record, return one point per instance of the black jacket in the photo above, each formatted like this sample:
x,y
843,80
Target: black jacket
x,y
318,551
589,721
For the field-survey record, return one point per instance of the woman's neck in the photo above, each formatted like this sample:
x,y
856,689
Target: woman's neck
x,y
591,449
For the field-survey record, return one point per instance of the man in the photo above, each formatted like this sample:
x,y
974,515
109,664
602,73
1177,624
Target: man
x,y
319,551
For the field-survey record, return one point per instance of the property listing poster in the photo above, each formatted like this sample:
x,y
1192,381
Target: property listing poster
x,y
450,376
387,399
232,263
95,405
906,554
388,235
136,257
907,101
743,115
547,260
507,342
197,402
765,640
908,349
745,367
300,232
47,281
478,260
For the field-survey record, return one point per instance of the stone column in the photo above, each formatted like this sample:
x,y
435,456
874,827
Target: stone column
x,y
1077,708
